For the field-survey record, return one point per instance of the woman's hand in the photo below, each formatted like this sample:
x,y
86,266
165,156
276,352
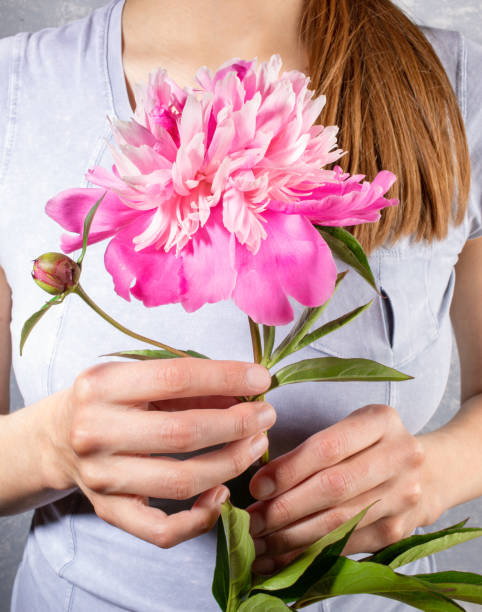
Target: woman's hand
x,y
115,415
332,476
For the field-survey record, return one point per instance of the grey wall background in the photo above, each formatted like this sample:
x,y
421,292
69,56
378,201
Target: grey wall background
x,y
466,16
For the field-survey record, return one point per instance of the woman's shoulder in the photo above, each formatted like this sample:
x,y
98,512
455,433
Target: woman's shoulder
x,y
55,91
462,59
55,51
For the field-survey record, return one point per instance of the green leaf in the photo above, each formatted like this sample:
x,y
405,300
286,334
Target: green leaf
x,y
306,320
220,586
238,555
87,223
289,575
347,248
464,586
421,545
334,369
35,318
332,326
262,603
146,354
348,577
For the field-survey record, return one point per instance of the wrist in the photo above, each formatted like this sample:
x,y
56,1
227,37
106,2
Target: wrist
x,y
453,453
437,477
51,433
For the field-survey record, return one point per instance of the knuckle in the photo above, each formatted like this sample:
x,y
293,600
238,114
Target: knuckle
x,y
240,461
206,522
161,536
413,494
174,375
333,519
245,422
417,452
335,482
391,530
232,375
85,386
83,438
285,474
179,434
93,478
281,542
281,511
383,411
330,449
181,484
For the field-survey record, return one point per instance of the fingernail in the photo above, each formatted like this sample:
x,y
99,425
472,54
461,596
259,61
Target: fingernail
x,y
256,523
258,378
221,496
263,566
258,445
267,417
259,546
263,487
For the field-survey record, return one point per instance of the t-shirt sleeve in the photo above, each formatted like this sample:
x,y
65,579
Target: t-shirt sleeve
x,y
472,107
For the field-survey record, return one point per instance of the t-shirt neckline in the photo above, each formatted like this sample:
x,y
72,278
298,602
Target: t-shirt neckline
x,y
115,69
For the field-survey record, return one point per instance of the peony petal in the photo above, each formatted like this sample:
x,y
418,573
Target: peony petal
x,y
70,207
258,291
344,202
208,265
306,269
157,274
293,260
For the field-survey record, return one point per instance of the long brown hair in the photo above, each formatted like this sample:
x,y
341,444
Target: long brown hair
x,y
396,109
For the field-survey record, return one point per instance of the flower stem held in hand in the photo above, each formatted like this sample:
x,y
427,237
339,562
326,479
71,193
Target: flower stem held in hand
x,y
258,355
81,293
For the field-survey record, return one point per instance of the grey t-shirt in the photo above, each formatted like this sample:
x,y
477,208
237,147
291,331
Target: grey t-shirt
x,y
58,85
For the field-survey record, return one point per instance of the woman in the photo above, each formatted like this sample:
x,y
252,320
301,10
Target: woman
x,y
95,543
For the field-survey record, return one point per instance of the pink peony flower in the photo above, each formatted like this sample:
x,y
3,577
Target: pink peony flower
x,y
214,191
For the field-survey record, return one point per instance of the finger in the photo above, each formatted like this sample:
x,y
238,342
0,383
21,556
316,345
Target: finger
x,y
139,431
133,515
359,430
194,403
330,487
379,534
158,379
269,565
306,531
168,478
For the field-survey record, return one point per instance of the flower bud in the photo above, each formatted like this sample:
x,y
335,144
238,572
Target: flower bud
x,y
55,273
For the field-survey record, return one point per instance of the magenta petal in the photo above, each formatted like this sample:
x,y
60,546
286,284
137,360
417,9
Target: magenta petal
x,y
208,264
306,269
157,274
293,260
343,202
70,207
258,290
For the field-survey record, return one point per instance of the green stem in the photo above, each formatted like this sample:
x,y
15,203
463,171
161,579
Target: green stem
x,y
268,342
256,340
258,356
81,293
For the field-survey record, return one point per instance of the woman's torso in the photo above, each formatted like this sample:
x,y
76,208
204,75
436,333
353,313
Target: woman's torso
x,y
62,82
